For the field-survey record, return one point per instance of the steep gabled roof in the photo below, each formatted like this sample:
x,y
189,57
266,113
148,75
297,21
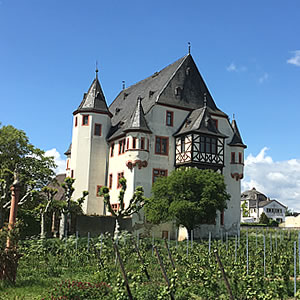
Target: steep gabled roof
x,y
93,100
236,139
181,76
267,202
200,121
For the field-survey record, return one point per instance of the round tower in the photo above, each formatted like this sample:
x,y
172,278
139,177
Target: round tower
x,y
89,150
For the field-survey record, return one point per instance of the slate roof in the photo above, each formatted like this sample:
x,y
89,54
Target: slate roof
x,y
93,100
253,194
159,88
265,203
200,121
236,139
68,152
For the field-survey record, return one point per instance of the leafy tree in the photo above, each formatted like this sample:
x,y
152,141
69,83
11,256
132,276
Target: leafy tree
x,y
263,219
245,209
189,196
35,170
135,204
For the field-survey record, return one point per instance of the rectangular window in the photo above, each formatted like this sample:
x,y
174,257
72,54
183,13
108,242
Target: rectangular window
x,y
76,120
97,130
169,118
120,175
240,157
115,207
158,173
208,145
85,120
148,144
72,173
182,144
68,162
110,181
233,157
142,143
98,190
127,147
161,145
112,147
133,142
122,146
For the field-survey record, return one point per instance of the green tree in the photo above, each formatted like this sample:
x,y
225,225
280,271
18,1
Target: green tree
x,y
189,196
34,169
263,219
135,204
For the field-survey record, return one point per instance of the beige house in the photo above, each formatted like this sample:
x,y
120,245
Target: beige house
x,y
163,122
254,203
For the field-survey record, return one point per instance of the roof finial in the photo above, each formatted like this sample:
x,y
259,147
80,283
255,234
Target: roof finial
x,y
123,84
233,116
96,69
189,46
204,100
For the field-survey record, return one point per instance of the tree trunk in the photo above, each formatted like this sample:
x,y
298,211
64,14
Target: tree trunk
x,y
43,226
117,229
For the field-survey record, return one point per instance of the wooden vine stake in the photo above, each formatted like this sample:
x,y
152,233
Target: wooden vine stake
x,y
123,271
224,275
169,254
163,270
141,260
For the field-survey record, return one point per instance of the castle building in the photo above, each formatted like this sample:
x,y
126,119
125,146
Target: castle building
x,y
163,122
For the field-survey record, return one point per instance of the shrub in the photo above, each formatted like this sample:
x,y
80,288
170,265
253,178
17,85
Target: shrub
x,y
78,290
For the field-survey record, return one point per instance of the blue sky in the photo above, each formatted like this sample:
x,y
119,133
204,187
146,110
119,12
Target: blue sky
x,y
247,51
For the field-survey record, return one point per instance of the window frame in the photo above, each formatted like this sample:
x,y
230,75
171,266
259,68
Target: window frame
x,y
120,175
110,181
122,144
112,149
88,120
171,114
98,189
232,158
134,142
142,143
160,171
167,145
100,131
76,121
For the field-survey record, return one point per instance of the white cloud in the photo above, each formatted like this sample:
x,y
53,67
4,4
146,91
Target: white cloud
x,y
61,163
263,78
295,60
234,68
278,180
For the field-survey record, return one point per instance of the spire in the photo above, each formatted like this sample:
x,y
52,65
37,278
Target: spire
x,y
236,139
137,121
94,99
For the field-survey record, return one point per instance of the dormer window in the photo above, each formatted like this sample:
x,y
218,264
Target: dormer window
x,y
178,91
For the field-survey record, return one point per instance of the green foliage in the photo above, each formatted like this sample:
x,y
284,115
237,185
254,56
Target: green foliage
x,y
263,219
135,204
34,169
80,290
189,196
245,210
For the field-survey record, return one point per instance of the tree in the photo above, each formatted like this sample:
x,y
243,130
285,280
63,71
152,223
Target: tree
x,y
189,196
135,204
70,206
35,170
263,219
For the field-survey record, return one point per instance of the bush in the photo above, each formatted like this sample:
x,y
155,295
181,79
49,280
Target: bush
x,y
78,290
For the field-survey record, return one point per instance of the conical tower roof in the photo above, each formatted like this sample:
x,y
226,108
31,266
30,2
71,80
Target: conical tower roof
x,y
93,100
236,139
137,121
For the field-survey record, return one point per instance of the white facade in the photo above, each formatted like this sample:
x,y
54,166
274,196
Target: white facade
x,y
138,139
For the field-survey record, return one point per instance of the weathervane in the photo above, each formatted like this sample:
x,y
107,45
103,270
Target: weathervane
x,y
123,84
96,69
204,100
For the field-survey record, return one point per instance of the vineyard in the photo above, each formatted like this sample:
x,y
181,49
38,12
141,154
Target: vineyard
x,y
258,264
